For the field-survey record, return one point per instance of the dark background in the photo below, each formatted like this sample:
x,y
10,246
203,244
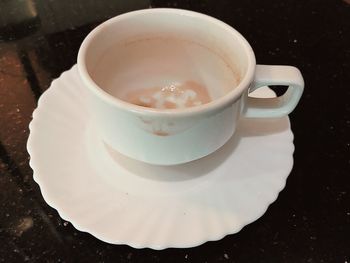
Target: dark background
x,y
310,221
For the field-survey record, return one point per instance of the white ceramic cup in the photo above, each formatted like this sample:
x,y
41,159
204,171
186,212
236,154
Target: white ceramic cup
x,y
190,133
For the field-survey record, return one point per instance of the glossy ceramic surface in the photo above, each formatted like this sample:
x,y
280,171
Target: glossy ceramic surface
x,y
122,201
175,136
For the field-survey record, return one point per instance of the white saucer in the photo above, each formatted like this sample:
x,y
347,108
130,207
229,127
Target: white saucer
x,y
122,201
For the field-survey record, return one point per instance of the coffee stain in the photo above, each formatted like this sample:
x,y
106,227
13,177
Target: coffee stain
x,y
223,55
160,133
169,105
140,103
155,130
213,49
173,96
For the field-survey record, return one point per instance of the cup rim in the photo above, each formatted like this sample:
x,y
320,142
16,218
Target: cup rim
x,y
213,105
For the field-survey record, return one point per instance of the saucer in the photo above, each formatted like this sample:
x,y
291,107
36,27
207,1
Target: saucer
x,y
123,201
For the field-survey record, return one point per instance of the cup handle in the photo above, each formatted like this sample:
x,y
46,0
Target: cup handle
x,y
274,107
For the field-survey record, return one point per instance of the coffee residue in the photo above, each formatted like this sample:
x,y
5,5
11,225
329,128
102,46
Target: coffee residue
x,y
160,133
173,96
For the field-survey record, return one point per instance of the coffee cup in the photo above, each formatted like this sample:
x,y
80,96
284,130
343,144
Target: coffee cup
x,y
168,86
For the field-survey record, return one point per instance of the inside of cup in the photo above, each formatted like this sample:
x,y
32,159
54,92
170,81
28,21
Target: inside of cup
x,y
165,48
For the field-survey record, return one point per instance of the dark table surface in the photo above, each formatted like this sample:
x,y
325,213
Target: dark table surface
x,y
309,222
